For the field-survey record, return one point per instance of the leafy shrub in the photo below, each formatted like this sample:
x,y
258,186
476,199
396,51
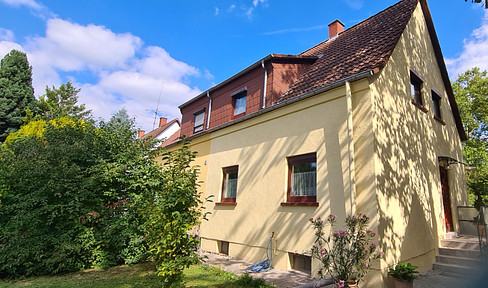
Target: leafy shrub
x,y
171,212
404,272
247,281
65,197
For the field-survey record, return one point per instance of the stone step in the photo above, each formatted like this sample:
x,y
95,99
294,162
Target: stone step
x,y
473,254
452,269
460,244
461,261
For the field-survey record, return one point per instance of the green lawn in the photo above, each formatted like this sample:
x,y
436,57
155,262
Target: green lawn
x,y
140,275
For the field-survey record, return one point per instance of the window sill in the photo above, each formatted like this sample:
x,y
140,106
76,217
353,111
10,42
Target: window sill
x,y
300,204
226,203
238,115
440,120
420,106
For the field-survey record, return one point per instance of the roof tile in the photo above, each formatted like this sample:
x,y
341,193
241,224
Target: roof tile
x,y
365,46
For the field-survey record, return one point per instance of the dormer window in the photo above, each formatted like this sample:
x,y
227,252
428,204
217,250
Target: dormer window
x,y
198,121
239,102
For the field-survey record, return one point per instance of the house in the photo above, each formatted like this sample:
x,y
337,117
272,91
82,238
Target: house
x,y
365,121
167,132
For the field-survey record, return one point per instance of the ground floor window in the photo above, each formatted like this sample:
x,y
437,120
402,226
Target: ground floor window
x,y
229,185
302,178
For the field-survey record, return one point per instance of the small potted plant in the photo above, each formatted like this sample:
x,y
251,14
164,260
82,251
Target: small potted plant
x,y
403,274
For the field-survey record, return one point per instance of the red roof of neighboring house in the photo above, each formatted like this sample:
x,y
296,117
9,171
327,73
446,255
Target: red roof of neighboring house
x,y
154,133
171,139
365,46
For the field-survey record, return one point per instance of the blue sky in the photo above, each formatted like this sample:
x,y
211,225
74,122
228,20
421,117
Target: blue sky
x,y
127,53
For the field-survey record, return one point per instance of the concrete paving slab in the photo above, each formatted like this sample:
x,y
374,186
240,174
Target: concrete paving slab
x,y
280,278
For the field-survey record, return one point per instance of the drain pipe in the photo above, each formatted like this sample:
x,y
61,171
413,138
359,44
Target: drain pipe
x,y
209,108
350,150
265,83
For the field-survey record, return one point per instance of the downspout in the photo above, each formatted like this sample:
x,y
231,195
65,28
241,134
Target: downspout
x,y
209,108
350,149
265,83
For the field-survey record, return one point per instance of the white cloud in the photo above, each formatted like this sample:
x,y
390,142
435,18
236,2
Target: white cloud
x,y
28,3
474,52
231,8
6,35
354,4
216,11
7,46
73,47
123,72
256,2
38,9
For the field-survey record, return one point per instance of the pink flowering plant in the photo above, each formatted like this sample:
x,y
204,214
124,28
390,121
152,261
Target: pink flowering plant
x,y
345,254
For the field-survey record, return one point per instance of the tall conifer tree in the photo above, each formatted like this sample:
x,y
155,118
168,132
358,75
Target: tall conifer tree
x,y
16,92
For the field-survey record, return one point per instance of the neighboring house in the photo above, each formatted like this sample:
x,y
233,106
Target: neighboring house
x,y
365,121
168,132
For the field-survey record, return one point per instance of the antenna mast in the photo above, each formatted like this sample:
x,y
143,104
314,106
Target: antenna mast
x,y
157,107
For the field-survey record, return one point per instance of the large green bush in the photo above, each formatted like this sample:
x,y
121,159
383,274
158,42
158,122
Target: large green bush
x,y
65,197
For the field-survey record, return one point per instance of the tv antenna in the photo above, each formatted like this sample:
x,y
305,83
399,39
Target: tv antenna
x,y
157,107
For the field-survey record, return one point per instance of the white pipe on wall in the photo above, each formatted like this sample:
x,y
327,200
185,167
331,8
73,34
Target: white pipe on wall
x,y
350,149
209,109
265,83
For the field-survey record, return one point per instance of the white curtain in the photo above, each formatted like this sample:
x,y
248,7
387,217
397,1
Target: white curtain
x,y
304,183
231,188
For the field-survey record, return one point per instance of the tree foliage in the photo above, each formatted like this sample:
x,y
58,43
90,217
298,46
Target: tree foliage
x,y
65,197
61,102
471,92
16,92
171,213
479,1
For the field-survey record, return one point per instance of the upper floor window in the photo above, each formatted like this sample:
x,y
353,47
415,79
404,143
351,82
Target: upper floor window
x,y
416,88
302,178
229,185
436,103
239,101
199,120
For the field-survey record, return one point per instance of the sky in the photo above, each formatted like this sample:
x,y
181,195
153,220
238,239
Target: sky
x,y
153,55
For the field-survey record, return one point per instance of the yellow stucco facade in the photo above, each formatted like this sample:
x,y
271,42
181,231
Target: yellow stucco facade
x,y
391,173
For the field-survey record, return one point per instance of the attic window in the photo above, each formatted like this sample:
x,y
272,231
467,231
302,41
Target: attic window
x,y
436,103
416,90
198,121
416,87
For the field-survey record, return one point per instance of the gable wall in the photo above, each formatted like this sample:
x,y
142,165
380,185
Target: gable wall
x,y
407,144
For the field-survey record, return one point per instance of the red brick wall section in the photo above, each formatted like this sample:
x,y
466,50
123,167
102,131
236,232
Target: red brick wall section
x,y
222,110
187,117
282,77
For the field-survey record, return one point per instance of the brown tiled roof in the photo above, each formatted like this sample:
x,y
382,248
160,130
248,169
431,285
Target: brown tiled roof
x,y
365,46
171,139
154,133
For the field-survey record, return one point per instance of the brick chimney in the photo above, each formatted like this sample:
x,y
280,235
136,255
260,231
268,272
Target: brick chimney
x,y
335,28
162,121
140,134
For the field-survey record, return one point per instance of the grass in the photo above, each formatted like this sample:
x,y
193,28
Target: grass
x,y
140,275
